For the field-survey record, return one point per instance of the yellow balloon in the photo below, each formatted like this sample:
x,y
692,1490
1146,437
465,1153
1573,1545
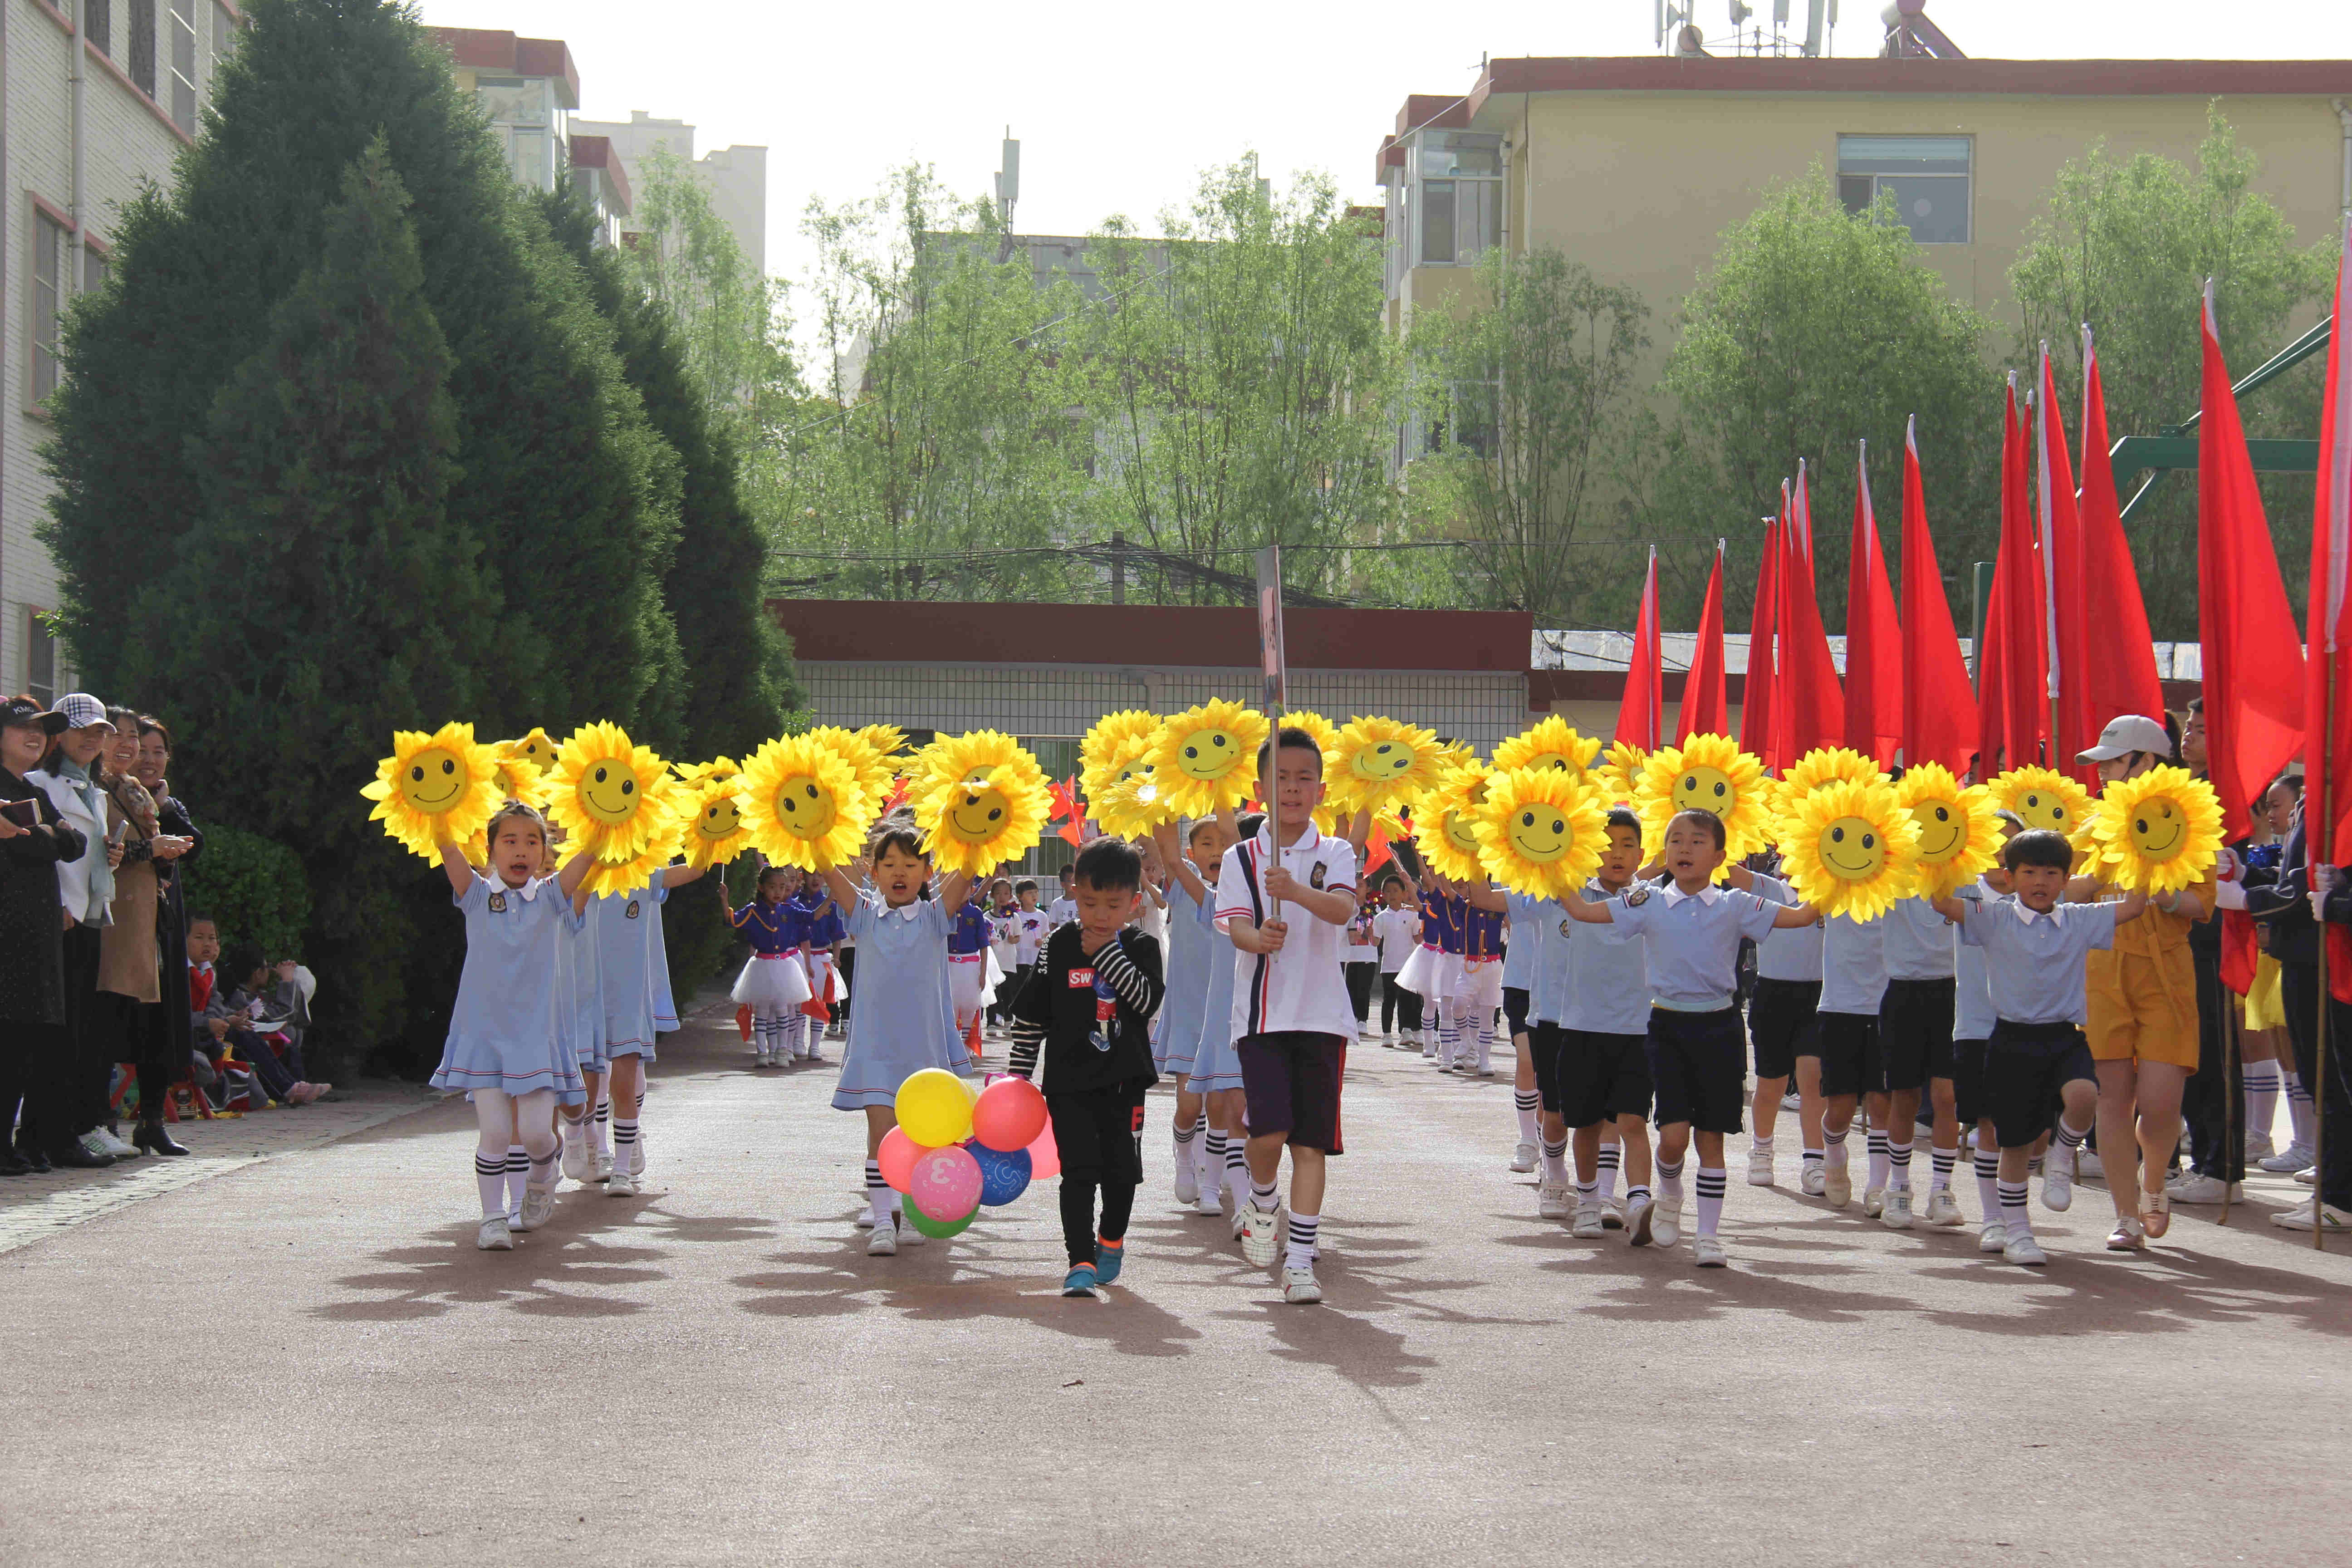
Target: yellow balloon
x,y
934,1110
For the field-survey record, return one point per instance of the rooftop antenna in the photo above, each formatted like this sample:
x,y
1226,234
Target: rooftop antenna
x,y
1008,180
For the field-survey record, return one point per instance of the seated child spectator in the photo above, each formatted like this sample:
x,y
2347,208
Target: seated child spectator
x,y
259,1012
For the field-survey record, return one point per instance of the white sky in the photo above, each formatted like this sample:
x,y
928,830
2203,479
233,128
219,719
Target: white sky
x,y
1119,108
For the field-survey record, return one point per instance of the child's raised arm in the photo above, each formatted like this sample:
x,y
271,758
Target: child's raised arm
x,y
2135,903
1953,909
954,891
1486,896
843,891
1591,910
460,870
572,879
1790,916
678,876
1187,875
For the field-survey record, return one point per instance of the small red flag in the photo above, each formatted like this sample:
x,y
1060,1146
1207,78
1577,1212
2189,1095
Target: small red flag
x,y
2246,632
2066,633
1377,852
2118,659
1641,713
1939,709
2015,707
1705,710
1874,636
1759,690
2328,674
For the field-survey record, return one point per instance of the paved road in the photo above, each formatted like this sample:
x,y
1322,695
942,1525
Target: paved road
x,y
304,1360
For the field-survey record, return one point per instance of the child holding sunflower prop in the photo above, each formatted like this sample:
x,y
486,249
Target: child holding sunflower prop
x,y
803,802
1206,757
1540,831
991,807
1959,837
1709,774
1552,742
2043,798
1442,822
716,832
613,798
435,788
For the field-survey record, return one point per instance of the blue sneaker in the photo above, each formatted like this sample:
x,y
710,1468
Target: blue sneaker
x,y
1079,1280
1108,1259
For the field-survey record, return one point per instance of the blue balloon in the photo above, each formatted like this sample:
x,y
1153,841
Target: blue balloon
x,y
1002,1176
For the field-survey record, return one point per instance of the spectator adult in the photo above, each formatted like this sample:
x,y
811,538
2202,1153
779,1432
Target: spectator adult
x,y
69,1132
176,1054
128,982
33,840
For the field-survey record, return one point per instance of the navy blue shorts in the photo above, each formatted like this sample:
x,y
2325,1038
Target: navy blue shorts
x,y
1914,1033
1698,1065
2027,1069
1290,1083
1780,1022
1515,1008
1602,1077
1847,1044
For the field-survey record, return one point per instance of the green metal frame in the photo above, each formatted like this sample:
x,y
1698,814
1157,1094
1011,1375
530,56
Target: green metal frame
x,y
2174,448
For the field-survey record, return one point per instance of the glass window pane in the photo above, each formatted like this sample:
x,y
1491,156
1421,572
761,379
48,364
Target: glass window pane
x,y
1461,153
1935,207
1855,192
224,34
1437,220
48,276
40,660
93,269
1903,154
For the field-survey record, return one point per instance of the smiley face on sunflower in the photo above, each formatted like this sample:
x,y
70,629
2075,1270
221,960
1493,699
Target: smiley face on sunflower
x,y
433,787
1378,763
1539,830
802,803
1959,837
1850,849
993,807
1206,757
1709,774
2160,832
616,799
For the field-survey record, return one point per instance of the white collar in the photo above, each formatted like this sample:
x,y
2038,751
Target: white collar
x,y
2028,916
1307,840
528,893
909,910
1709,895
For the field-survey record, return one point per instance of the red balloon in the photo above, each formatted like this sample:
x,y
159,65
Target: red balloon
x,y
898,1157
1009,1114
1045,1156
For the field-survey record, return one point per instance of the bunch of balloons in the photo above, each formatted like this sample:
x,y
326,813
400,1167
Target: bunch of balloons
x,y
957,1148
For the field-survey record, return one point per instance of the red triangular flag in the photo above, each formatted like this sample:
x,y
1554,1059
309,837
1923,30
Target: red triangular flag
x,y
2253,657
2119,659
1939,709
1066,811
1809,696
1641,713
1873,636
2063,589
2015,708
2240,950
1705,710
1762,683
1377,852
2327,673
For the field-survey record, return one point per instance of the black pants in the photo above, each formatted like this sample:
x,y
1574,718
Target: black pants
x,y
2213,1100
1399,1005
86,1046
35,1073
1100,1132
1360,989
2299,988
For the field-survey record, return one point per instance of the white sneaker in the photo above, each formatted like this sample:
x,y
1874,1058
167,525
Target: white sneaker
x,y
1792,1101
1944,1209
1811,1179
1706,1252
576,1163
115,1144
2058,1180
1188,1180
1523,1158
1837,1186
1298,1287
637,1154
1552,1201
1896,1214
1873,1203
1612,1213
1206,1203
2086,1161
907,1235
1241,1220
604,1165
2308,1176
2332,1220
622,1184
1665,1222
2025,1252
865,1220
2259,1147
2295,1157
2204,1189
1485,1071
1993,1236
1261,1234
494,1236
1586,1225
1638,1215
884,1242
94,1145
537,1207
1759,1167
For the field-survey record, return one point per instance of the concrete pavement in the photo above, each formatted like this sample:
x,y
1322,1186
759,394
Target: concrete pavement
x,y
304,1360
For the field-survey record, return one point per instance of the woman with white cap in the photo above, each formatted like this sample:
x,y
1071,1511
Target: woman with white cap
x,y
72,1134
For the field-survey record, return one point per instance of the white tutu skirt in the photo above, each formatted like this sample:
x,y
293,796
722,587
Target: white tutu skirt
x,y
771,985
1431,973
821,968
968,981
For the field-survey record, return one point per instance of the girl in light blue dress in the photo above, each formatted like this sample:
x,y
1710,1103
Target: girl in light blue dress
x,y
1200,1003
904,1018
1216,1075
510,1043
633,981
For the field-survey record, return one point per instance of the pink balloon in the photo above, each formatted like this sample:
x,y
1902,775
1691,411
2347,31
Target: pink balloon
x,y
898,1157
945,1183
1045,1156
1009,1114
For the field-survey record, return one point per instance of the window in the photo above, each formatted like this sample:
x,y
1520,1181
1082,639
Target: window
x,y
93,267
1460,177
142,46
183,64
97,24
40,658
48,299
1927,176
224,35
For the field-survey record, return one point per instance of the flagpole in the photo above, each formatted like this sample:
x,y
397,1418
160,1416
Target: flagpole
x,y
2319,1055
2234,1138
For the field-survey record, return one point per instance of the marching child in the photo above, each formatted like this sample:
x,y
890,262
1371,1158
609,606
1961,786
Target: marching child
x,y
1915,1024
1088,1008
1283,896
906,1022
1784,1017
1854,984
505,1038
772,985
1065,908
1602,1071
1479,992
823,930
1690,931
2036,950
1212,1077
1398,927
1029,929
632,978
1972,1022
1004,947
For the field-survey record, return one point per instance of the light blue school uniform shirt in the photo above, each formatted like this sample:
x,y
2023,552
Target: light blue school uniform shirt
x,y
1791,952
1532,956
1607,990
1691,941
632,968
2034,963
1188,985
905,1017
1853,965
506,1031
1919,942
581,1000
1972,1013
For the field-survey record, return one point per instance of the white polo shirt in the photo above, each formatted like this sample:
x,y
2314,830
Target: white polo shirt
x,y
1302,987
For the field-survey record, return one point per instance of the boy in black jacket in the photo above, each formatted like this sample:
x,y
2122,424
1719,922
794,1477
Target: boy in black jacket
x,y
1089,1005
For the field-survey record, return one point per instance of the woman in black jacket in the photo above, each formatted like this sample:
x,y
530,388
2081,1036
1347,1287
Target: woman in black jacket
x,y
34,1066
166,1029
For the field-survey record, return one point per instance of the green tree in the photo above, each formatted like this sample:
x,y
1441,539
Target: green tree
x,y
1539,381
2126,246
1811,329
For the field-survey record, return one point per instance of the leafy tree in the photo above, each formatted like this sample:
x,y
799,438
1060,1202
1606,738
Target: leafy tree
x,y
2126,246
1814,328
1548,369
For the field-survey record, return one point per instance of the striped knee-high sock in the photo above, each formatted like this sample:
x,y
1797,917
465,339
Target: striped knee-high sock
x,y
1237,1176
491,1178
1988,1164
1710,1200
1528,1103
2013,1212
2299,1105
1879,1162
1610,1155
2261,1083
600,1126
1555,1161
1943,1160
1898,1159
625,1144
878,1192
517,1173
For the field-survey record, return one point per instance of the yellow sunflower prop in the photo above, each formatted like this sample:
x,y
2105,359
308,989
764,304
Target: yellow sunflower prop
x,y
1378,762
994,807
716,831
1552,742
1620,774
869,753
1823,765
516,778
803,804
1540,831
536,750
1442,822
1709,774
2160,832
1325,733
1131,808
616,799
1206,757
1115,747
2043,798
436,786
1959,838
1848,848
